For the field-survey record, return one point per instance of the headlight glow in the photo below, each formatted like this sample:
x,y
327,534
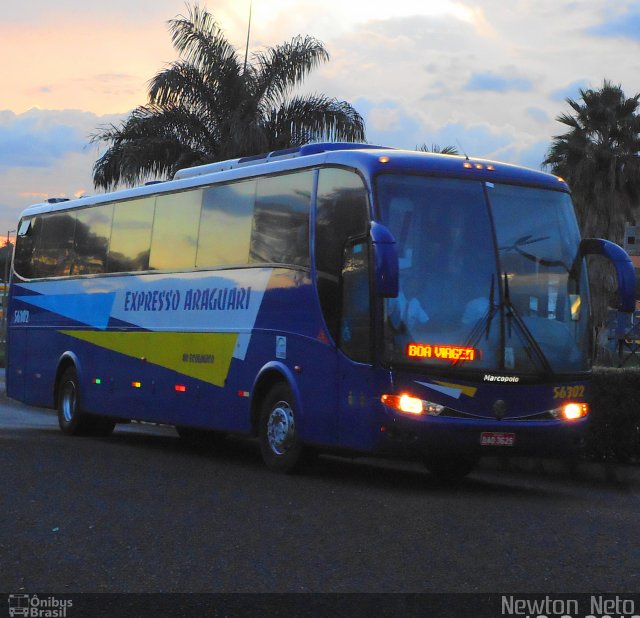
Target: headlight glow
x,y
409,404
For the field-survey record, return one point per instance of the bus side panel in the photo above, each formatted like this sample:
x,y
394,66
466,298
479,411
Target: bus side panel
x,y
16,359
32,359
360,410
290,330
40,367
183,349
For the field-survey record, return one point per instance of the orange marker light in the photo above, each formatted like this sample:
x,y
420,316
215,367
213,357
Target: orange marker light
x,y
136,384
383,159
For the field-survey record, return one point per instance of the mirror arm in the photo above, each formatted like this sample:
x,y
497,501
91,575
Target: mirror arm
x,y
623,265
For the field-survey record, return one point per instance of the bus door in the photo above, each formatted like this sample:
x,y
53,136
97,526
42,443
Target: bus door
x,y
355,372
342,276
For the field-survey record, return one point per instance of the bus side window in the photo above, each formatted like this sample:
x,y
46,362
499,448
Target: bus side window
x,y
225,224
131,235
355,322
28,232
91,244
175,230
342,213
54,249
280,232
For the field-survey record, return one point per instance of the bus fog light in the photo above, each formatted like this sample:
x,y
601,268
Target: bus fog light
x,y
411,405
571,411
574,411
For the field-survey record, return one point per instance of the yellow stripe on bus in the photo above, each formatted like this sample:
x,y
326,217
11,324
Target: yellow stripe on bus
x,y
469,391
204,356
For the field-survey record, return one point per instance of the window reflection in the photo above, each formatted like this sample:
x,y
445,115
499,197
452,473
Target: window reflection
x,y
281,220
91,242
175,231
55,246
131,235
225,224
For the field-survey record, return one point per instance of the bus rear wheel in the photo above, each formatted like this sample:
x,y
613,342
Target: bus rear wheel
x,y
279,443
72,420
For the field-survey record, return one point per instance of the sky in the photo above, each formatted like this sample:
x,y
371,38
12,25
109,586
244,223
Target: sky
x,y
486,76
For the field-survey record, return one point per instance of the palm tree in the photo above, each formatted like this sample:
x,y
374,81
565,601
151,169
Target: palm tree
x,y
447,150
212,105
599,158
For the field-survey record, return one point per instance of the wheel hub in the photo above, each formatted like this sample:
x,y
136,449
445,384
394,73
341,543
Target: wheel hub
x,y
68,402
281,428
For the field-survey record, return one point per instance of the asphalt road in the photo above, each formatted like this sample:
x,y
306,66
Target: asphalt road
x,y
142,512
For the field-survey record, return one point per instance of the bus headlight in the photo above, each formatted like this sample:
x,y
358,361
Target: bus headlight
x,y
571,411
408,404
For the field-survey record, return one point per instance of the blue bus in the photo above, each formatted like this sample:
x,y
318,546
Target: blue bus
x,y
332,297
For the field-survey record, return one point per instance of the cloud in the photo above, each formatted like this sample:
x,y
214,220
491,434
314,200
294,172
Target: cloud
x,y
571,91
388,124
30,140
534,155
45,153
538,114
497,83
478,140
625,25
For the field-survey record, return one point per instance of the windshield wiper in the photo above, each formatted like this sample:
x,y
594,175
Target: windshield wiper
x,y
483,325
512,313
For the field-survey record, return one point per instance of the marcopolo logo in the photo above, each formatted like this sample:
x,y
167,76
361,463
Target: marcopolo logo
x,y
32,605
489,377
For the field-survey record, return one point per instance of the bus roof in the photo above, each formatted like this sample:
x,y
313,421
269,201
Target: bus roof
x,y
365,158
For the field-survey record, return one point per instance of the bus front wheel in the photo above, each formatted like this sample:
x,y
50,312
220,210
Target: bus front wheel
x,y
279,444
72,420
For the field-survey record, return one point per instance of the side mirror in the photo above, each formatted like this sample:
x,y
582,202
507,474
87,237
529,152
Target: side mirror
x,y
625,271
385,261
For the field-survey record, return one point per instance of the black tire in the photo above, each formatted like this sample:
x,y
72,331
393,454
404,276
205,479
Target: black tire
x,y
72,420
280,446
450,469
199,438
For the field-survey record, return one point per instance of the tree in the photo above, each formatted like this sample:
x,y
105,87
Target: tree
x,y
599,158
6,252
212,105
448,150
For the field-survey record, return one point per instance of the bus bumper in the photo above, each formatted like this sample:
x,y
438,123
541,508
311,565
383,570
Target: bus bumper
x,y
451,437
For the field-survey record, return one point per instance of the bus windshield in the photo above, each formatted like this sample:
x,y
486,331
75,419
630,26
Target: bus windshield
x,y
489,278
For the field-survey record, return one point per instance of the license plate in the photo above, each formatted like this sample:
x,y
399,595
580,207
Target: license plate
x,y
494,438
